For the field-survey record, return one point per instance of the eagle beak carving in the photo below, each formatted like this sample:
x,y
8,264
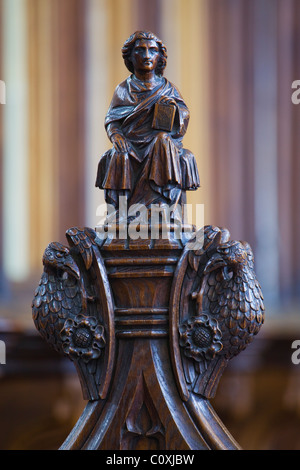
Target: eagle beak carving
x,y
71,267
215,262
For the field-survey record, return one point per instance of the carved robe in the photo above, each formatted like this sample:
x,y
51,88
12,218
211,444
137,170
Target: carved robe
x,y
156,161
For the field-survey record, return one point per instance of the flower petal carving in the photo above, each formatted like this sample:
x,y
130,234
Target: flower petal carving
x,y
200,337
83,337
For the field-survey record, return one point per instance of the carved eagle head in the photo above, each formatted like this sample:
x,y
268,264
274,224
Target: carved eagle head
x,y
232,256
57,257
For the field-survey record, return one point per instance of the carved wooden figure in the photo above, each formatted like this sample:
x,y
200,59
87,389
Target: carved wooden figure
x,y
146,122
150,318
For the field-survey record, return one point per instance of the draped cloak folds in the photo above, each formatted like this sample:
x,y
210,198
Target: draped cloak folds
x,y
155,156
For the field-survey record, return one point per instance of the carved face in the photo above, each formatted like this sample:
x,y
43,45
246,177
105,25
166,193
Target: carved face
x,y
145,55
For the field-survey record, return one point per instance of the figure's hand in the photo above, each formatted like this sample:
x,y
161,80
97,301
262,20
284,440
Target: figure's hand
x,y
167,100
120,143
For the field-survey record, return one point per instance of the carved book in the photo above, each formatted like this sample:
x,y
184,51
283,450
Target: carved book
x,y
164,115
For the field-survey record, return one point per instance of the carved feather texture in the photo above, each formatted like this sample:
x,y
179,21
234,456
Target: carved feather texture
x,y
224,312
233,296
83,240
58,295
56,299
64,312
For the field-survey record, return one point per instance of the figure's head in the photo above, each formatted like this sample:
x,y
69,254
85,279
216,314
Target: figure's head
x,y
144,35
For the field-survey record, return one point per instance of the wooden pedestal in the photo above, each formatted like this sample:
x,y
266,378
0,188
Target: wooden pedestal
x,y
143,408
150,325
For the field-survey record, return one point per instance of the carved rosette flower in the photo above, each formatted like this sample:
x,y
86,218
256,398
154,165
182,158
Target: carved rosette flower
x,y
200,337
83,337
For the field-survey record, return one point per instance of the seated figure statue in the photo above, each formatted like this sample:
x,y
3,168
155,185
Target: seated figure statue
x,y
146,122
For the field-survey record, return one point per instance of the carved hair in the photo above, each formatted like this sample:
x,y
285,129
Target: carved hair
x,y
130,42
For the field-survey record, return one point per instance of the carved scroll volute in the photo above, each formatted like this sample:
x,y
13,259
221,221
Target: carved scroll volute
x,y
95,275
73,309
216,309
